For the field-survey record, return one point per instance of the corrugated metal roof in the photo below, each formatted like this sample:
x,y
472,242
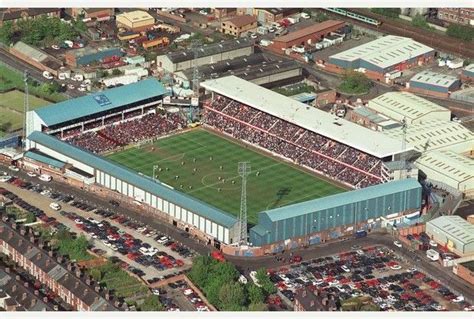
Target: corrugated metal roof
x,y
405,104
307,117
44,159
210,49
341,199
435,79
435,134
131,177
450,164
385,52
469,68
456,227
30,51
100,101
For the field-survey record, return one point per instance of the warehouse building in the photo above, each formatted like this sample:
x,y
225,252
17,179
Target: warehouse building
x,y
207,54
468,73
449,167
256,68
382,56
408,106
37,58
239,25
433,84
85,56
135,20
370,119
452,232
308,35
330,217
444,146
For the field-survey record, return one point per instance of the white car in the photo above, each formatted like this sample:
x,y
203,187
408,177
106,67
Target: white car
x,y
78,221
253,35
433,243
155,291
82,89
345,268
458,299
55,47
31,174
271,29
5,178
203,12
298,49
317,281
397,243
55,206
304,15
243,280
71,87
45,177
47,75
396,267
13,168
188,291
46,193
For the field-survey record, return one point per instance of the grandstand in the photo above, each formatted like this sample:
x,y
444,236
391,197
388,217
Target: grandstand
x,y
331,146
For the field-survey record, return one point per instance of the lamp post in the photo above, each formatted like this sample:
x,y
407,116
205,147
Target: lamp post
x,y
154,175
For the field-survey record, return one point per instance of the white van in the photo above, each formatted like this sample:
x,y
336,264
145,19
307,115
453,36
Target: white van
x,y
45,177
47,75
432,254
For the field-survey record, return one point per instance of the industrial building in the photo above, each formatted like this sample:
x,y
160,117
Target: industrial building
x,y
449,167
468,73
443,145
257,68
452,232
239,25
210,53
409,107
382,56
433,84
137,20
318,220
85,56
37,58
268,15
308,35
370,119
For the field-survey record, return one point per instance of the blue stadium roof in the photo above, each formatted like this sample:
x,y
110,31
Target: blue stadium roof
x,y
45,159
100,101
341,199
131,177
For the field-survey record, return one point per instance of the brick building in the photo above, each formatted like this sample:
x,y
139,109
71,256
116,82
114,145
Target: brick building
x,y
37,58
465,270
63,278
220,13
239,25
307,300
99,14
267,15
15,14
463,16
433,84
309,35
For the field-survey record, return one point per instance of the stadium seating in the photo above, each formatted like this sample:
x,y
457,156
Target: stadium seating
x,y
336,160
118,134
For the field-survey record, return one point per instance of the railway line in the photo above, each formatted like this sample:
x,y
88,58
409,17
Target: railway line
x,y
437,41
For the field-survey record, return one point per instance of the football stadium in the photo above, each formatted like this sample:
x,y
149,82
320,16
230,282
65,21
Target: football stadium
x,y
313,177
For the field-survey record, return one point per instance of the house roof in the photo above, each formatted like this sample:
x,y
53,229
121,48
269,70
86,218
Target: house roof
x,y
345,198
7,14
435,79
210,49
385,51
456,227
310,118
136,16
131,177
100,101
240,21
319,27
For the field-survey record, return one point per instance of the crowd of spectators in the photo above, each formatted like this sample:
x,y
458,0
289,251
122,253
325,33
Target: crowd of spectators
x,y
336,160
119,134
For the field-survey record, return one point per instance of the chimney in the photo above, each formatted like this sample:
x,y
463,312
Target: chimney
x,y
97,288
96,299
88,280
23,296
107,296
37,292
78,272
45,299
41,245
20,242
26,284
14,288
117,303
32,239
10,235
304,293
38,256
23,231
33,302
51,253
17,277
324,301
14,226
59,259
76,285
48,261
311,304
69,266
7,270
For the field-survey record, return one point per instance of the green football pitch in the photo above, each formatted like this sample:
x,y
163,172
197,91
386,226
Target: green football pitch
x,y
205,166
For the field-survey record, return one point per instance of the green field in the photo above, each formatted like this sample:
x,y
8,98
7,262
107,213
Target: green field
x,y
11,109
277,184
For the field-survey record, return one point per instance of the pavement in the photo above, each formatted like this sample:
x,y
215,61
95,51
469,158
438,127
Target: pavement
x,y
43,202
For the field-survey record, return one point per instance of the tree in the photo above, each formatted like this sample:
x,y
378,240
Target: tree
x,y
225,271
6,32
232,296
265,282
255,294
96,274
355,83
212,290
116,72
462,32
151,303
419,21
257,307
200,271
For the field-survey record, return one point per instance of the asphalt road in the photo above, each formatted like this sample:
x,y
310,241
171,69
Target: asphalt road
x,y
245,264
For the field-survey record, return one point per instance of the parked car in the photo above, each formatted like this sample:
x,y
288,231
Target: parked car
x,y
55,206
